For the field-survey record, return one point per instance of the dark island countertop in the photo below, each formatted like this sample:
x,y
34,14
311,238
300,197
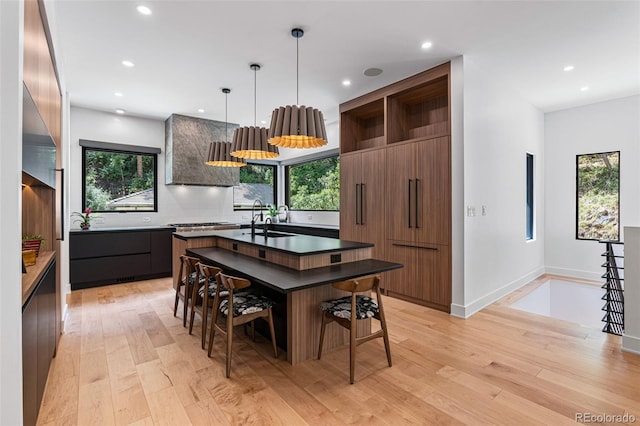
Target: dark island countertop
x,y
301,245
95,229
286,280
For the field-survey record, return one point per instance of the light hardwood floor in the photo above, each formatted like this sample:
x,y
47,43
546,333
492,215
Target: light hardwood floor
x,y
124,359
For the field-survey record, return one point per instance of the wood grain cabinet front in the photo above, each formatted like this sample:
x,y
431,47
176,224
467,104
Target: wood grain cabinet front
x,y
395,179
38,342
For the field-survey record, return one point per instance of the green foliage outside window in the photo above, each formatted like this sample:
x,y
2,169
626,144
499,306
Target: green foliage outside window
x,y
117,181
315,185
598,196
257,182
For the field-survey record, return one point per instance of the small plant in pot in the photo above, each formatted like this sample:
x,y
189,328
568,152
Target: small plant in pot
x,y
32,242
83,218
272,212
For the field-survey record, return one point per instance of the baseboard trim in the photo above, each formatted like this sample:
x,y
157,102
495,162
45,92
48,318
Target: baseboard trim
x,y
631,344
466,311
574,273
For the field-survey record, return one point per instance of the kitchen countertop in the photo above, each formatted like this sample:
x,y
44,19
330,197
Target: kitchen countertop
x,y
286,280
122,229
297,244
35,272
301,225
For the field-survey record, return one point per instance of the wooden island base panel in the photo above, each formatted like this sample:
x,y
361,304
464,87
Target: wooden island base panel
x,y
297,288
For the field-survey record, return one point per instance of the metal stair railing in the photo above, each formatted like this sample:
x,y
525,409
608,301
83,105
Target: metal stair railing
x,y
614,288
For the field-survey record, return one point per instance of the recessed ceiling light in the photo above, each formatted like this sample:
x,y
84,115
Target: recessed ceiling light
x,y
200,110
118,94
372,72
427,45
584,88
143,10
346,82
120,111
128,64
569,68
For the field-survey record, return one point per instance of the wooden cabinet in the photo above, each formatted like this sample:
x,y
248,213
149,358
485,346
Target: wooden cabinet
x,y
362,198
398,138
419,192
39,73
114,256
38,342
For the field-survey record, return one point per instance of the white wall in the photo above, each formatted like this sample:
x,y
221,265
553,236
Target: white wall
x,y
605,126
11,22
631,335
499,129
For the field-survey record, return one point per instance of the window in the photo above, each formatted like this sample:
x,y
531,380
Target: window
x,y
598,196
257,182
530,206
118,180
314,185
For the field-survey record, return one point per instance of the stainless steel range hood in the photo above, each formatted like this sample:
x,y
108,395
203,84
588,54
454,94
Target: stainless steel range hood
x,y
186,146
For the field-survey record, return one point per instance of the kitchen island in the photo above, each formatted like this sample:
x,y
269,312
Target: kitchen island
x,y
294,270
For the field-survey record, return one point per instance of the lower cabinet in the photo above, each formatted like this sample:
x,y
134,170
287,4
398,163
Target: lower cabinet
x,y
38,343
114,256
426,276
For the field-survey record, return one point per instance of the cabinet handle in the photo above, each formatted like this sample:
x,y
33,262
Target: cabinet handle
x,y
61,237
417,247
357,202
417,202
362,188
409,204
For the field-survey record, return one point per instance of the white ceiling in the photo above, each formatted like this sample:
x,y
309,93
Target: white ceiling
x,y
186,51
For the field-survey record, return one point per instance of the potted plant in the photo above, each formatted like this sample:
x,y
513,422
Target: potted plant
x,y
272,212
83,218
32,242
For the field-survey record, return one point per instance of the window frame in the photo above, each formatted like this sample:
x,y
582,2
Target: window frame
x,y
577,203
304,160
275,186
530,199
119,149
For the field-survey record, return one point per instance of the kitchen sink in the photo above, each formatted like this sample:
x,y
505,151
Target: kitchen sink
x,y
269,234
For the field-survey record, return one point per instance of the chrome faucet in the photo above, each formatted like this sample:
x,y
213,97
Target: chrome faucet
x,y
253,216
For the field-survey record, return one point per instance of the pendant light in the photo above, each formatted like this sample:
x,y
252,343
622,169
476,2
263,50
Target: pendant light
x,y
297,126
251,141
220,152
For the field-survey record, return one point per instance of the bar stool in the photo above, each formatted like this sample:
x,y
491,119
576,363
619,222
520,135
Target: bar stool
x,y
202,296
187,278
238,307
347,310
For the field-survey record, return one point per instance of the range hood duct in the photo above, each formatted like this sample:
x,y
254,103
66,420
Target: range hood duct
x,y
186,146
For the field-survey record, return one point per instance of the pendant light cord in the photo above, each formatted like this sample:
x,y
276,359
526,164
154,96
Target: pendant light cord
x,y
255,95
226,121
297,70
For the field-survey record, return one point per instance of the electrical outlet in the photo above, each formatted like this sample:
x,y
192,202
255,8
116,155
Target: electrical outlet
x,y
98,219
310,217
146,219
245,217
484,210
471,211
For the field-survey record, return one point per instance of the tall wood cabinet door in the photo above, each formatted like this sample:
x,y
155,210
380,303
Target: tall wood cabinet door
x,y
400,192
404,280
432,192
372,201
350,173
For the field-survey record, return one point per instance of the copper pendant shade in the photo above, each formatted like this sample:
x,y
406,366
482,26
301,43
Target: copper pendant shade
x,y
251,141
297,126
219,154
